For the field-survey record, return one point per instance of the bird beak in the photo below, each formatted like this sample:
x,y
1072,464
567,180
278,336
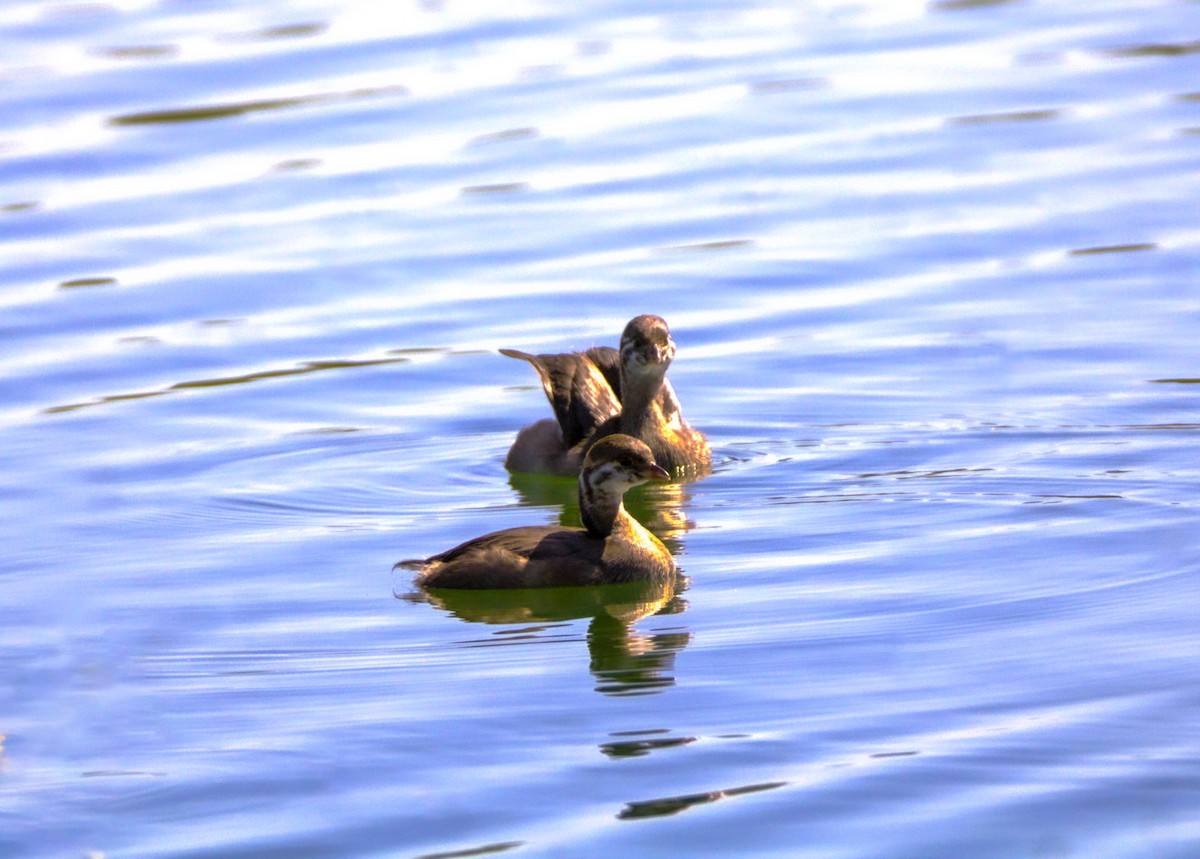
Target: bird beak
x,y
653,472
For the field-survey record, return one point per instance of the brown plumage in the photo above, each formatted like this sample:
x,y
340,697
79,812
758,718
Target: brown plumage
x,y
602,391
613,547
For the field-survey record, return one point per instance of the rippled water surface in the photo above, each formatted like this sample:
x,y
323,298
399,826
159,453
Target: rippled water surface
x,y
932,269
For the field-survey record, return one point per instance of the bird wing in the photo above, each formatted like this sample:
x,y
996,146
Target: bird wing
x,y
608,362
579,389
532,556
517,541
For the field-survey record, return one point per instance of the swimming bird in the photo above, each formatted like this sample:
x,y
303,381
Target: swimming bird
x,y
612,547
602,391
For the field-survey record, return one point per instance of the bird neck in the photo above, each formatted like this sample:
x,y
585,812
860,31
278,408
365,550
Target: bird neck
x,y
598,509
638,395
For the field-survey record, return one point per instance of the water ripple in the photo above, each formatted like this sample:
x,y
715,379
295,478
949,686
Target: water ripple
x,y
930,268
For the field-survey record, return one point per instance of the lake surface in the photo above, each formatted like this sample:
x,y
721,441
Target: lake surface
x,y
934,274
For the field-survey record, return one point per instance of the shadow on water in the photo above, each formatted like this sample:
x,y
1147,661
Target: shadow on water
x,y
622,660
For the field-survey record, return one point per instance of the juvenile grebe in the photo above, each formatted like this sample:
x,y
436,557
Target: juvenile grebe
x,y
602,391
613,547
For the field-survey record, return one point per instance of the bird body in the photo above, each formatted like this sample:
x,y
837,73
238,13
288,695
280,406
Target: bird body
x,y
612,547
603,391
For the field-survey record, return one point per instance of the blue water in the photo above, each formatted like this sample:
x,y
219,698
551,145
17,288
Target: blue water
x,y
932,270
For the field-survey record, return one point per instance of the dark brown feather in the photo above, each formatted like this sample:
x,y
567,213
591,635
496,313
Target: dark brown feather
x,y
579,389
593,395
614,548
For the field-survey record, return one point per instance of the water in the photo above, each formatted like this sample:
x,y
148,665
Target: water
x,y
932,272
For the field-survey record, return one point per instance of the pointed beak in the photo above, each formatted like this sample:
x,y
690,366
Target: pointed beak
x,y
654,472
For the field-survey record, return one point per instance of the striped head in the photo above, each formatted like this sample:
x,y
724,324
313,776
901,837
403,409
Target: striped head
x,y
615,464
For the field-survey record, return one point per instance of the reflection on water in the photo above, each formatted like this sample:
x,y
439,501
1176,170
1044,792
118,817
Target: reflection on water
x,y
1011,116
495,188
481,850
506,135
290,31
1165,49
623,660
954,5
78,282
225,111
626,662
675,804
1115,249
139,52
296,164
641,743
245,378
624,603
934,265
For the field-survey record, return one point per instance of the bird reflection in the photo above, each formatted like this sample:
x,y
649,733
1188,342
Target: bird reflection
x,y
622,660
625,662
